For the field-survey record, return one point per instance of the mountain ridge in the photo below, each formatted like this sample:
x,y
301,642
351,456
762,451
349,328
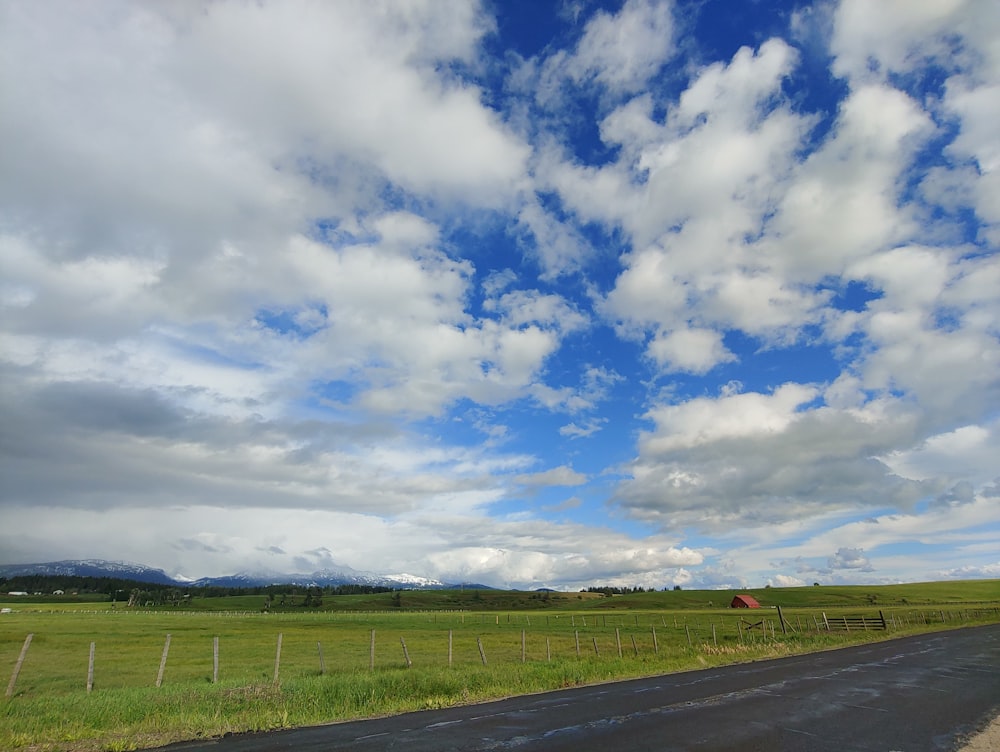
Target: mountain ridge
x,y
330,577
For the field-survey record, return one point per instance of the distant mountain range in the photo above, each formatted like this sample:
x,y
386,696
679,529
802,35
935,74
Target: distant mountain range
x,y
141,573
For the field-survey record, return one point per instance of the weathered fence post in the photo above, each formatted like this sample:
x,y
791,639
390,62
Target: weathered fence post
x,y
371,652
635,647
714,640
548,650
449,646
215,660
656,645
597,651
163,662
406,653
688,633
322,665
781,618
576,636
17,666
482,653
277,659
90,668
618,641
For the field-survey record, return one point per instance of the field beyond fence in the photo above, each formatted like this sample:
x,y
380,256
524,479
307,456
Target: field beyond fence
x,y
128,679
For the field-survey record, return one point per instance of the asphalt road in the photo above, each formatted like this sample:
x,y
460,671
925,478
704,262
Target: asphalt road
x,y
911,694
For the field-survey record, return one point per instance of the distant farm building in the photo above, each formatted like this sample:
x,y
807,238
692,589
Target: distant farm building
x,y
744,601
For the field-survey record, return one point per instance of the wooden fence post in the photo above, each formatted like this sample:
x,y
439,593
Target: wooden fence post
x,y
215,660
322,665
523,647
90,669
597,651
635,647
714,640
371,652
277,659
781,618
548,650
406,653
163,662
618,641
17,666
688,633
449,646
482,653
576,636
656,645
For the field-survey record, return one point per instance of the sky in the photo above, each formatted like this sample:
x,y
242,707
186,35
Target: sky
x,y
525,293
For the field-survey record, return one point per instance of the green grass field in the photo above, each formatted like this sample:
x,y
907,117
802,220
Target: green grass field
x,y
530,642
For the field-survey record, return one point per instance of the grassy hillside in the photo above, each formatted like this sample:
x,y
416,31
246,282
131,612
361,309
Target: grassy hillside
x,y
823,596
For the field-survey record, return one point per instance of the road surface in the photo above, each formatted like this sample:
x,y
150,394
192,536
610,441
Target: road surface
x,y
927,692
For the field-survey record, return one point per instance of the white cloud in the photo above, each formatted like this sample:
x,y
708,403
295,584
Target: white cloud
x,y
785,580
873,40
737,416
842,203
850,558
964,454
624,50
564,475
692,350
750,459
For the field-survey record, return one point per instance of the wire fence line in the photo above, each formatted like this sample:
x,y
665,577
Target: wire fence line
x,y
486,639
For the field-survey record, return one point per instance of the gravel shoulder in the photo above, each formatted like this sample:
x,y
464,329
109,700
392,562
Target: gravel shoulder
x,y
987,740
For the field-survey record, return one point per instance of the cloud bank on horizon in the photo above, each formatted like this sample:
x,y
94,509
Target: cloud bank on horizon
x,y
530,294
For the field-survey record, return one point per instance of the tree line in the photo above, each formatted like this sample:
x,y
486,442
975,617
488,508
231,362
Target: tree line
x,y
118,589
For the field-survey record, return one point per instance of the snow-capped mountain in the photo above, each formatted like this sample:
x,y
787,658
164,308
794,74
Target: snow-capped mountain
x,y
91,568
141,573
322,578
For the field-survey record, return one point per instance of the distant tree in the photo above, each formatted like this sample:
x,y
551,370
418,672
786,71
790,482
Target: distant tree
x,y
677,587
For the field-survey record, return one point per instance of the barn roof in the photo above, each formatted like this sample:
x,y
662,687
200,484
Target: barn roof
x,y
744,601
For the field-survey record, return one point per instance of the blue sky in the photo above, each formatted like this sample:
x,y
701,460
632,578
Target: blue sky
x,y
523,293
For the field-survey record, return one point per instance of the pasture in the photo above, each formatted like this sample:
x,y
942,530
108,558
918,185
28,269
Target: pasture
x,y
363,656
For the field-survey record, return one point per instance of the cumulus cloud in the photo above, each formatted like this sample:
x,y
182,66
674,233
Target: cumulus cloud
x,y
850,558
752,458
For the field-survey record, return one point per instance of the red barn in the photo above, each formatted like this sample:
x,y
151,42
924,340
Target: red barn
x,y
744,601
